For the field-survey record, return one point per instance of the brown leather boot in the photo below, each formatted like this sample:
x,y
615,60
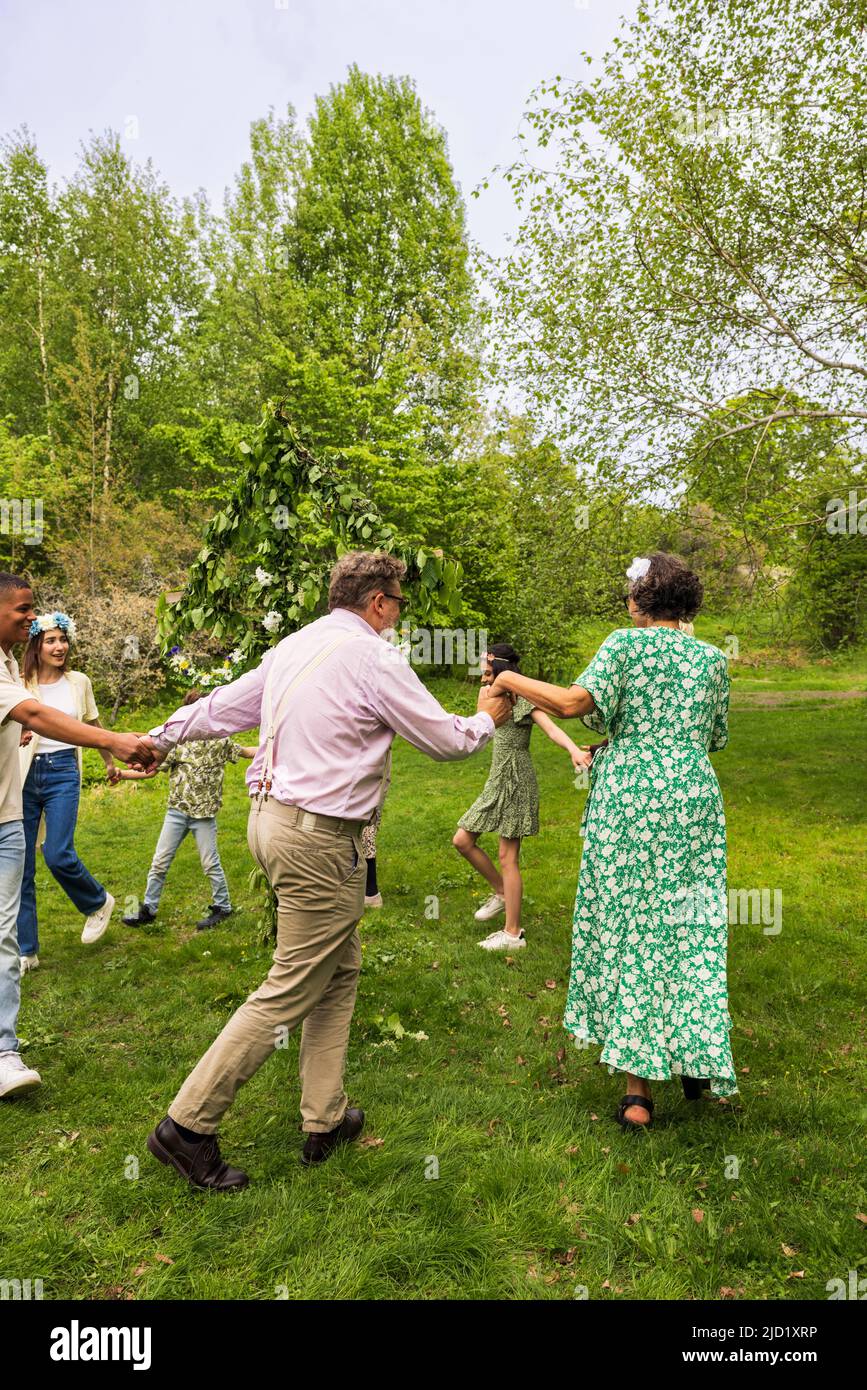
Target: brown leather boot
x,y
319,1146
201,1164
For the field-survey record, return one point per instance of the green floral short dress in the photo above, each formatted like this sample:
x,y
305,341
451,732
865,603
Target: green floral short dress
x,y
650,929
509,801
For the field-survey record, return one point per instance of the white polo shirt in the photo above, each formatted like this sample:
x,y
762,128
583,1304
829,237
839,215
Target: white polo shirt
x,y
12,692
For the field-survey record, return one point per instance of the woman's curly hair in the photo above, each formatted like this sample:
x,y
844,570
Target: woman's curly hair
x,y
670,589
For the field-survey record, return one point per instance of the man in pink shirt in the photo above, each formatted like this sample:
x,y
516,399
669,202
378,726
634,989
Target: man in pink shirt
x,y
328,701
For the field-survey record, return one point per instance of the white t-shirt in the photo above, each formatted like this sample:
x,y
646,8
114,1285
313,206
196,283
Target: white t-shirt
x,y
58,695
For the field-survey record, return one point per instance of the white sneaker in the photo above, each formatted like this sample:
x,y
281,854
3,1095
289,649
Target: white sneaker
x,y
375,900
26,963
492,908
503,941
97,922
15,1076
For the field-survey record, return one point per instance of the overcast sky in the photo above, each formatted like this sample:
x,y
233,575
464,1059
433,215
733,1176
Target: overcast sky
x,y
195,73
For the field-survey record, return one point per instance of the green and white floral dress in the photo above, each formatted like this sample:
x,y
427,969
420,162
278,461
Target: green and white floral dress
x,y
650,928
508,804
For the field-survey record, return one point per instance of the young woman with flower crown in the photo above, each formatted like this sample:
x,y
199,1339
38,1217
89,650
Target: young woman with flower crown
x,y
51,786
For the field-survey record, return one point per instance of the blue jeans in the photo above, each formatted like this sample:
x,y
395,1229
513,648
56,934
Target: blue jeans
x,y
204,831
52,789
11,869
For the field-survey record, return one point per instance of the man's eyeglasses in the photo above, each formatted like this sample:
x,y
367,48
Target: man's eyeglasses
x,y
401,599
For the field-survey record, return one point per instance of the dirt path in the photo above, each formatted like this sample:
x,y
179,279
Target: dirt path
x,y
767,699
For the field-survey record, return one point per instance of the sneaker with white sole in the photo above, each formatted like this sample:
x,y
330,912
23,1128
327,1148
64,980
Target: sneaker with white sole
x,y
503,941
15,1076
491,908
26,963
97,922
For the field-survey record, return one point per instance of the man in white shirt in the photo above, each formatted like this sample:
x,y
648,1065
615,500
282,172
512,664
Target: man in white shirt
x,y
17,708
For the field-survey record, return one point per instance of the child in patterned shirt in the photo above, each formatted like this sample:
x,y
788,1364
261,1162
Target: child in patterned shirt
x,y
195,795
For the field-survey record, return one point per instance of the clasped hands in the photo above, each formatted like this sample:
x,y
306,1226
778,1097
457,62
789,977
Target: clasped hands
x,y
139,751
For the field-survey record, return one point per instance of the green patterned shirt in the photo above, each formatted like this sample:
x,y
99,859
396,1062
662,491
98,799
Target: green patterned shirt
x,y
196,775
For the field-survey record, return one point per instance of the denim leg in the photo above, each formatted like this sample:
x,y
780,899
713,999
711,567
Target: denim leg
x,y
175,827
204,829
28,934
11,870
61,792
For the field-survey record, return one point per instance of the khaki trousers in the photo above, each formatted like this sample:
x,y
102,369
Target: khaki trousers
x,y
319,877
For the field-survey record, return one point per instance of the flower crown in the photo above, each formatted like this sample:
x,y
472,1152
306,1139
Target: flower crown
x,y
46,621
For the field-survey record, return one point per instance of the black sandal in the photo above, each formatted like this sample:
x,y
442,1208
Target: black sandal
x,y
626,1104
693,1086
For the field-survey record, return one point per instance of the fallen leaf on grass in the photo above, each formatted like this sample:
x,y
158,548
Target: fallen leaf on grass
x,y
572,1149
565,1257
550,984
697,1215
607,1284
789,1250
796,1274
859,1216
520,1061
726,1292
141,1269
369,1142
633,1219
594,1117
623,1168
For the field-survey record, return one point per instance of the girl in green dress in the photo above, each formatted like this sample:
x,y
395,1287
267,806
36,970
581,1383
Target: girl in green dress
x,y
508,805
650,928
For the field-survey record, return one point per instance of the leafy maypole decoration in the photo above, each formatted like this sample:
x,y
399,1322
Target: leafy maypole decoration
x,y
263,569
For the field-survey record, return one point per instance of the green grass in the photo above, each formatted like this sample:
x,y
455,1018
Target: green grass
x,y
538,1191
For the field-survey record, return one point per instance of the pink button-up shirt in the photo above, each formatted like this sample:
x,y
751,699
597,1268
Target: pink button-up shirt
x,y
334,732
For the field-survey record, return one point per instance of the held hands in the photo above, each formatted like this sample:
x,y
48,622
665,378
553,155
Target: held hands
x,y
499,707
581,758
138,750
112,772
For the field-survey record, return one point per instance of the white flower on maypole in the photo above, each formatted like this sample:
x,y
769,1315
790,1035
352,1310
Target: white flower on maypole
x,y
263,578
272,620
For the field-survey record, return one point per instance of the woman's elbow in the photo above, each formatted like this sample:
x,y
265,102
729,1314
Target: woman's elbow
x,y
573,703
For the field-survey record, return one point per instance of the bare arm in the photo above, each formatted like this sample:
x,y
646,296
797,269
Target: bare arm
x,y
562,740
51,723
571,702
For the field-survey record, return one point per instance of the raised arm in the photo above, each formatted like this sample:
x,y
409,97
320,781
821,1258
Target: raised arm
x,y
227,710
571,702
405,705
51,723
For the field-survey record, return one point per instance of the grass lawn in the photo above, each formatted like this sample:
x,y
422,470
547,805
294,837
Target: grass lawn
x,y
493,1167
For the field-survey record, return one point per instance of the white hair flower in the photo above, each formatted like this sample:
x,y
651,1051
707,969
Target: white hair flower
x,y
272,620
638,569
263,577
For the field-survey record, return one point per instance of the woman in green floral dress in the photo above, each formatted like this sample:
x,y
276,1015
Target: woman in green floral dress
x,y
508,805
650,928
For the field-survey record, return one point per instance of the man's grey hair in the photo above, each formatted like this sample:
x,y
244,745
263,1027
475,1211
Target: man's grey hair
x,y
359,575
